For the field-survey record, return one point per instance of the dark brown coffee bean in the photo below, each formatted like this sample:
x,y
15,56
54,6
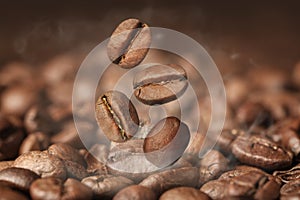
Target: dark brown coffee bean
x,y
166,141
17,100
116,116
42,163
288,175
216,189
66,152
129,43
75,190
162,181
184,193
11,136
6,164
9,194
212,165
106,186
136,192
37,141
46,189
160,84
18,178
290,190
260,152
226,138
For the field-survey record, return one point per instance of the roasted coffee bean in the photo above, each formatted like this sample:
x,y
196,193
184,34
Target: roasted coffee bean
x,y
290,190
42,163
53,188
212,165
288,175
116,116
215,189
136,192
6,164
106,186
166,141
160,84
129,43
9,194
162,181
239,171
66,152
226,138
18,178
17,100
37,141
260,152
11,136
96,159
75,170
184,193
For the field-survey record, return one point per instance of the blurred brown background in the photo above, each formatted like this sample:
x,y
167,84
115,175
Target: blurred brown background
x,y
264,32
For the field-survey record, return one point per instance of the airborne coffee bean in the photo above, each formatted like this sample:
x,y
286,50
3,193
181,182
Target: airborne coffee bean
x,y
129,43
184,193
260,152
166,142
135,192
160,84
116,116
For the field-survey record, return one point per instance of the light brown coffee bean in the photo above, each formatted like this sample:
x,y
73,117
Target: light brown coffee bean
x,y
106,186
260,152
184,193
166,142
18,178
42,163
162,181
116,116
160,84
129,43
136,192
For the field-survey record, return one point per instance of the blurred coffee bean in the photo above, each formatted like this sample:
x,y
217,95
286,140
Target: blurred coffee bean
x,y
136,192
166,141
106,186
160,84
212,165
9,194
18,178
35,141
260,152
66,152
291,190
239,171
236,90
11,136
6,164
42,163
17,99
96,159
61,94
184,193
129,43
288,175
215,189
116,116
162,181
38,119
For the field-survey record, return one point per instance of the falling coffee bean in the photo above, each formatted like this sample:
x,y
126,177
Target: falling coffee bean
x,y
116,116
260,152
160,84
129,43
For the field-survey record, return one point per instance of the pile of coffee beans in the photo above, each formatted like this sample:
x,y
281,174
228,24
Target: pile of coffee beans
x,y
42,157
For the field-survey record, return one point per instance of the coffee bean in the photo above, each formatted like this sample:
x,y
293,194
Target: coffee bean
x,y
18,178
166,141
212,165
162,181
75,170
260,152
184,193
136,192
75,190
96,160
288,175
224,142
160,84
6,164
215,189
239,171
129,43
106,186
116,116
290,190
34,141
9,194
42,163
